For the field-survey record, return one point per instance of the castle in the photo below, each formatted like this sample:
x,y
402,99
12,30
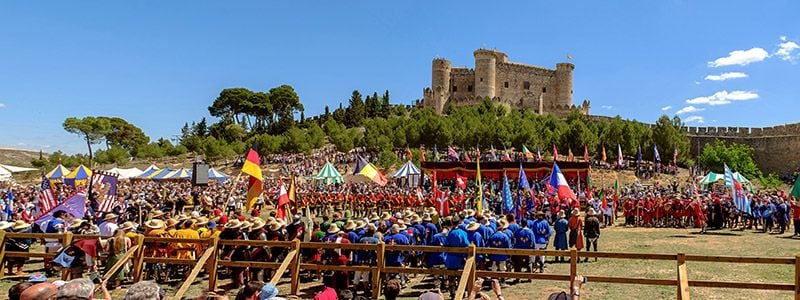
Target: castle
x,y
522,86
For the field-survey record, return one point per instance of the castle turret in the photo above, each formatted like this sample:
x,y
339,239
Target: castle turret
x,y
485,73
564,84
440,83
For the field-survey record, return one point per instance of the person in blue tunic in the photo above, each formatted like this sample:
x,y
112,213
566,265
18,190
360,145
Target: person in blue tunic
x,y
542,233
560,242
500,240
474,236
523,240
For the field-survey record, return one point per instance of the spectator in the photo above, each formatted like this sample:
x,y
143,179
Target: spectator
x,y
81,288
392,289
250,291
144,290
15,291
39,291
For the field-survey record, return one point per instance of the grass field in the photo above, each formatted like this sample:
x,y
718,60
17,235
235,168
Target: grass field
x,y
617,239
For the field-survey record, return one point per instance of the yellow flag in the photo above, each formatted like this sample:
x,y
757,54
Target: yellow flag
x,y
479,205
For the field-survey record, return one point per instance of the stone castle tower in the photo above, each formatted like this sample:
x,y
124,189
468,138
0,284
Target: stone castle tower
x,y
545,91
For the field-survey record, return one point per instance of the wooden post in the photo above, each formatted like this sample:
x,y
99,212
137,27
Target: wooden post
x,y
66,241
138,263
376,276
797,277
683,278
2,253
473,272
296,267
192,275
469,267
211,266
573,267
284,265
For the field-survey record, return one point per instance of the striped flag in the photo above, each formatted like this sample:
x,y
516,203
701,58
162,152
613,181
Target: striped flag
x,y
46,198
452,153
106,185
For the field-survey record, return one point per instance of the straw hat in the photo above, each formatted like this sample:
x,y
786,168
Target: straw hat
x,y
156,214
560,214
77,223
591,212
127,226
395,228
540,213
333,228
371,227
183,217
233,224
360,224
473,226
154,224
427,218
386,216
110,216
258,224
415,219
276,225
402,224
374,217
246,225
350,225
20,224
202,221
171,222
5,225
576,212
502,224
469,212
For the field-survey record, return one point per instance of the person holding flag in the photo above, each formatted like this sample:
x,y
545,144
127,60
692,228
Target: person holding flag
x,y
255,185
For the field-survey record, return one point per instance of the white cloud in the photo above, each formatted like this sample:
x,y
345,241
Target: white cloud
x,y
20,144
697,82
666,108
724,97
740,57
2,105
726,76
606,107
689,109
786,49
691,119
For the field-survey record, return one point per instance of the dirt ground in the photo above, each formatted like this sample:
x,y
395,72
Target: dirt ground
x,y
615,239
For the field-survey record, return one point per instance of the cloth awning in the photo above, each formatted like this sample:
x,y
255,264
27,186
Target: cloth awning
x,y
217,175
126,173
58,173
15,169
329,174
712,177
406,170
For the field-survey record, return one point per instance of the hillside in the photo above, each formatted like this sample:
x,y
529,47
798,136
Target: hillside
x,y
18,157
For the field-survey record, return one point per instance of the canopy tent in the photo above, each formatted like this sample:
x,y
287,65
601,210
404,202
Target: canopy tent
x,y
329,174
14,169
126,173
408,172
181,173
148,173
78,177
161,174
5,175
58,173
217,175
712,177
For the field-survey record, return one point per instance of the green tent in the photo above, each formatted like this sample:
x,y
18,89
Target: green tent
x,y
714,177
329,174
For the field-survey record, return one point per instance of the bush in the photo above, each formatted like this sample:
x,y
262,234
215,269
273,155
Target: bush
x,y
150,151
387,159
114,155
771,181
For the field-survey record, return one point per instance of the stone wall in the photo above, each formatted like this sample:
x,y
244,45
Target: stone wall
x,y
776,149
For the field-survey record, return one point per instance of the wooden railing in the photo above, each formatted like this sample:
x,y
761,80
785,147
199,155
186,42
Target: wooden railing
x,y
210,261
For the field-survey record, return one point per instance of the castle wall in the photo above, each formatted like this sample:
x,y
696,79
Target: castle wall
x,y
775,148
540,82
462,86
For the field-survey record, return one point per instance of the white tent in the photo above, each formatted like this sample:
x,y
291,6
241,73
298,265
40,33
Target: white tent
x,y
126,173
408,172
6,171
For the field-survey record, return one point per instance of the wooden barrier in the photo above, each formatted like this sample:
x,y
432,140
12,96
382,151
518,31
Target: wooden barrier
x,y
293,262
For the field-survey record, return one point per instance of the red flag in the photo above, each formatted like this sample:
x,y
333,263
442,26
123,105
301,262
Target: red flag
x,y
461,181
555,153
585,153
283,199
443,203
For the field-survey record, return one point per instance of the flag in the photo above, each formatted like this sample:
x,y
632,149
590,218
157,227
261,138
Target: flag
x,y
443,203
737,192
585,153
409,154
46,198
421,154
461,181
675,155
728,176
555,153
75,205
620,160
639,154
492,151
479,204
106,184
283,199
589,183
435,153
656,156
9,201
255,184
527,153
370,171
292,193
508,203
559,184
570,157
604,152
452,153
602,196
796,189
506,157
466,155
523,180
538,153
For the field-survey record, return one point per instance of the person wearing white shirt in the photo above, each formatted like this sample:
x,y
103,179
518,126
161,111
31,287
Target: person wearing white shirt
x,y
109,226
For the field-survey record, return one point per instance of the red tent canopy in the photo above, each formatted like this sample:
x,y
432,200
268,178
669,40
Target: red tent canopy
x,y
495,169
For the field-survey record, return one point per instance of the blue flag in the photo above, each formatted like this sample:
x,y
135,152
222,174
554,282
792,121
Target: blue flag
x,y
75,205
639,155
655,153
508,203
523,180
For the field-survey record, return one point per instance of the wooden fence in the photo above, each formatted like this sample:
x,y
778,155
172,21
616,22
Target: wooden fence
x,y
209,259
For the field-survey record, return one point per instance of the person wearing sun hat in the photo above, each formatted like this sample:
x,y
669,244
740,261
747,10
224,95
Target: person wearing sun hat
x,y
591,231
109,225
234,253
500,240
350,229
576,229
186,250
18,245
430,228
395,258
542,232
258,253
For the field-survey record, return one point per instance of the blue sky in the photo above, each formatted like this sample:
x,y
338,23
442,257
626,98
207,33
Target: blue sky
x,y
160,64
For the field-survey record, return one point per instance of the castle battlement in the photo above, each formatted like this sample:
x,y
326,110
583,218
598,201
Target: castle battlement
x,y
522,86
774,131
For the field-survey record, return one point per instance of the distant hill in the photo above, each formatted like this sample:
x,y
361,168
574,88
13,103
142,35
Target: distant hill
x,y
18,157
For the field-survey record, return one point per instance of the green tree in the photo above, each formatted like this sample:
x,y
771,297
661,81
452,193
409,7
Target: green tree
x,y
738,157
93,130
669,134
285,103
114,155
124,134
201,128
355,111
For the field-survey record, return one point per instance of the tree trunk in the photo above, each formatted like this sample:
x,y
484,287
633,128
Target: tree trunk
x,y
89,144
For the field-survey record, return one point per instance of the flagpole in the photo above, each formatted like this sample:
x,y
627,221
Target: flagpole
x,y
230,192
